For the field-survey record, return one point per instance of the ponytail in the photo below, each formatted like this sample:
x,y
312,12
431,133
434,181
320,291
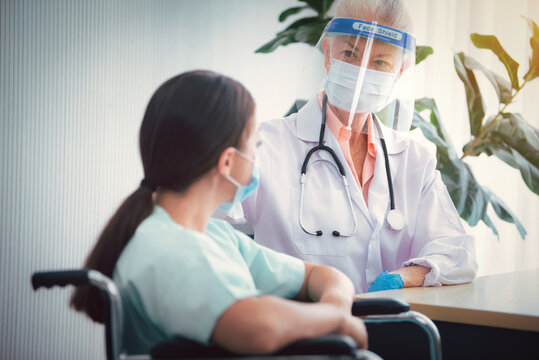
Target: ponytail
x,y
115,236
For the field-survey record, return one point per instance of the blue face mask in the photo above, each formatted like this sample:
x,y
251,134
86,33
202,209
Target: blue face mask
x,y
243,191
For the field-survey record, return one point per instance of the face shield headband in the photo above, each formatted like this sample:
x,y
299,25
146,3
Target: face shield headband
x,y
343,26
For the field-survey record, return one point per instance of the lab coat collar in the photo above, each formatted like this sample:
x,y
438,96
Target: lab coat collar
x,y
309,119
395,142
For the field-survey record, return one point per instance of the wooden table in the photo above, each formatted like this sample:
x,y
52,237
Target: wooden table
x,y
493,316
508,300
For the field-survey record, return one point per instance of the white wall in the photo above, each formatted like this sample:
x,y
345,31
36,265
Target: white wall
x,y
75,78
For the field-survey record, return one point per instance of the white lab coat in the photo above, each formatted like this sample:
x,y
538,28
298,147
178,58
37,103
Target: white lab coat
x,y
433,235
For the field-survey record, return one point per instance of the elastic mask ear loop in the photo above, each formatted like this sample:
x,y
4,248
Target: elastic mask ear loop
x,y
244,156
228,177
232,181
361,77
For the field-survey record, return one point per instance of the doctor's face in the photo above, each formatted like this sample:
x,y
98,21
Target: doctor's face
x,y
383,56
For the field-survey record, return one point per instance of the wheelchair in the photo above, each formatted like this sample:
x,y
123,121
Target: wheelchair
x,y
331,346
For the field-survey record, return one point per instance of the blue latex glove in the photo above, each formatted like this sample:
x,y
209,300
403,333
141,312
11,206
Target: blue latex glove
x,y
386,281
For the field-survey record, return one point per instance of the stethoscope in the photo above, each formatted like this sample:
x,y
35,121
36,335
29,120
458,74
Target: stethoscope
x,y
394,218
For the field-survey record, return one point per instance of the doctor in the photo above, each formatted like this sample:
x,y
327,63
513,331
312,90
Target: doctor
x,y
341,181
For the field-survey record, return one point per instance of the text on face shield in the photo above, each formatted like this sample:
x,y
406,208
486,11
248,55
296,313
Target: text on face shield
x,y
378,30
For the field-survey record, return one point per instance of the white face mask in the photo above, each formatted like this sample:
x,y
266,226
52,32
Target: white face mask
x,y
376,91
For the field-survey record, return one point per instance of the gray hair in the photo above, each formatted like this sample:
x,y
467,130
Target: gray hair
x,y
387,12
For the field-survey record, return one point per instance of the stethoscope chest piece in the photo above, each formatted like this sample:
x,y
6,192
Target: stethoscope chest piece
x,y
395,220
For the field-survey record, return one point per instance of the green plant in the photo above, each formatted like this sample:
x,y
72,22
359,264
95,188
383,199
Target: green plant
x,y
506,135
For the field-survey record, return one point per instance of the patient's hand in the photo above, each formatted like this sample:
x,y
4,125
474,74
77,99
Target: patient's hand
x,y
355,328
344,303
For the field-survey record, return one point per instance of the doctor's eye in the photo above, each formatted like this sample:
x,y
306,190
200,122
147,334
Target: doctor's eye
x,y
382,64
348,53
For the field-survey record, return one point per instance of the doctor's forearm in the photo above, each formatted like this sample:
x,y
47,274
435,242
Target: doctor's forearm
x,y
413,275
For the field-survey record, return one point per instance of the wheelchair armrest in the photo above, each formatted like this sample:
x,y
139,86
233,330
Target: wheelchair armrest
x,y
323,345
379,306
59,278
179,347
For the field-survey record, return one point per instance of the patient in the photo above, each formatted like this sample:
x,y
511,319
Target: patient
x,y
181,272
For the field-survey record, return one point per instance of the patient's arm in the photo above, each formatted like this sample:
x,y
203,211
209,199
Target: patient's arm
x,y
267,323
327,285
264,324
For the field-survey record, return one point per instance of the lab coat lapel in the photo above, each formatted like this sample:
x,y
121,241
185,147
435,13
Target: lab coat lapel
x,y
378,189
379,200
308,121
308,129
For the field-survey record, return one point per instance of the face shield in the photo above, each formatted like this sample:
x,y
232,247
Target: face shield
x,y
367,69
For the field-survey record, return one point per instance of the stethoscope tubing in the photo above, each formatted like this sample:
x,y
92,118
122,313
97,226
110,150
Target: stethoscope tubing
x,y
322,147
388,169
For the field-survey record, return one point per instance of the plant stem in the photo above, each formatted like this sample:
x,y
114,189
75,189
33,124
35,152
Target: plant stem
x,y
479,139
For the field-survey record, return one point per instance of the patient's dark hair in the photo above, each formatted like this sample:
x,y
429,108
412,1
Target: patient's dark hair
x,y
190,120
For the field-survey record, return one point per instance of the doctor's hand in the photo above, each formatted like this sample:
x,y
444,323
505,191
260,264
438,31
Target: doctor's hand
x,y
386,281
355,328
413,275
409,276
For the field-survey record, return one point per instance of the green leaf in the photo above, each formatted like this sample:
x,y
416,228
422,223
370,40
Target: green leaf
x,y
467,195
430,105
470,198
501,152
476,111
281,40
490,224
422,52
518,134
289,12
533,71
310,33
491,42
428,130
516,142
504,213
529,172
300,22
320,6
533,26
287,36
502,86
